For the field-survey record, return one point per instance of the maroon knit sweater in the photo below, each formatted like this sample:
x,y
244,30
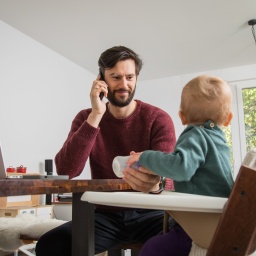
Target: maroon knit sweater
x,y
148,127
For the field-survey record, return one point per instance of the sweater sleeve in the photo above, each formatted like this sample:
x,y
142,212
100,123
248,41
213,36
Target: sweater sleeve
x,y
163,136
181,164
72,157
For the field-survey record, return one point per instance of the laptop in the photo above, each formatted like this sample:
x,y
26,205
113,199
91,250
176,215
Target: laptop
x,y
3,174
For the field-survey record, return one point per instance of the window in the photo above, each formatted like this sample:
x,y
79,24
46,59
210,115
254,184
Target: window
x,y
228,134
249,111
244,123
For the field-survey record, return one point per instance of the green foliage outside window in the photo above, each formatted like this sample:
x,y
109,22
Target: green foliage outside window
x,y
249,109
227,131
249,102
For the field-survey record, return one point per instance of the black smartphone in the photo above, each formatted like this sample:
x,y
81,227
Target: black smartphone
x,y
101,78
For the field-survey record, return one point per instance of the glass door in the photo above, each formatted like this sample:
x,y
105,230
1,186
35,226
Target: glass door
x,y
247,115
244,128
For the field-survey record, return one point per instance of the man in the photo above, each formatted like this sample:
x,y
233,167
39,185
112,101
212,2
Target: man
x,y
103,132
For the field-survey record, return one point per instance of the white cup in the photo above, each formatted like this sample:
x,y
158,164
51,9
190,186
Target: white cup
x,y
119,164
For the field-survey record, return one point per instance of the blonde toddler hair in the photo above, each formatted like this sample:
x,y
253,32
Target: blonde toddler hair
x,y
206,98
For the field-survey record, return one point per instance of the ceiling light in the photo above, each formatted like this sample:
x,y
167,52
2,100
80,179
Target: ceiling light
x,y
253,23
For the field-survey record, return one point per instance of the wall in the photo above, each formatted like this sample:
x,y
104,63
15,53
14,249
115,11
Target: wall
x,y
41,92
165,92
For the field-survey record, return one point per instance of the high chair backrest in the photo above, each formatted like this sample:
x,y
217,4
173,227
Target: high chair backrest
x,y
236,231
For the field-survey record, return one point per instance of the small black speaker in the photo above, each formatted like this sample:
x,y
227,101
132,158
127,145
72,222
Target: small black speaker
x,y
48,199
48,166
49,171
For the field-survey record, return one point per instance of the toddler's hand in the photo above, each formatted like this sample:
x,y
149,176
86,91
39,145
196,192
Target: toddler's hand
x,y
134,157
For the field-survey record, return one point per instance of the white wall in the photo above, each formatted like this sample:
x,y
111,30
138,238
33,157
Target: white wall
x,y
41,92
165,92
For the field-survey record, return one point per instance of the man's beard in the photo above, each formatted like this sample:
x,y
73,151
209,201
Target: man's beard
x,y
120,103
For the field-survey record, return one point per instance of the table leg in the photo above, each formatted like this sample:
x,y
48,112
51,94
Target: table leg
x,y
82,227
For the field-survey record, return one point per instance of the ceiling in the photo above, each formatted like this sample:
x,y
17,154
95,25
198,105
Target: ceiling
x,y
173,37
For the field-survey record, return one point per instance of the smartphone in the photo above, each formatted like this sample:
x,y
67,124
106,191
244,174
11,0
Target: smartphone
x,y
101,78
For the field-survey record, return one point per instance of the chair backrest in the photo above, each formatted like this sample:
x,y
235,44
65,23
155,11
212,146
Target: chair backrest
x,y
236,230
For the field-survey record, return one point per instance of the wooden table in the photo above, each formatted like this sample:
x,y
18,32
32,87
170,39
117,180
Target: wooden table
x,y
82,212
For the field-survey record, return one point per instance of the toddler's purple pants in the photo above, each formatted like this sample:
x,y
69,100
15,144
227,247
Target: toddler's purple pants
x,y
174,243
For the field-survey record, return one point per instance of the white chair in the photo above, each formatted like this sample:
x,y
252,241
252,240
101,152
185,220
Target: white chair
x,y
223,226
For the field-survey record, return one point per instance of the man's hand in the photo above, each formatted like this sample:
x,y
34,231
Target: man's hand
x,y
98,105
142,180
98,86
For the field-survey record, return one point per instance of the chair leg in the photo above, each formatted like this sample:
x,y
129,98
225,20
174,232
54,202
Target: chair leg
x,y
135,252
116,252
121,252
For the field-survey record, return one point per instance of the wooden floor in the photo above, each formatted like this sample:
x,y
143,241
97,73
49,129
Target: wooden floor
x,y
23,254
20,254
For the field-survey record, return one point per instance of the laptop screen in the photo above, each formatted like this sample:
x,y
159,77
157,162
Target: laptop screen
x,y
2,168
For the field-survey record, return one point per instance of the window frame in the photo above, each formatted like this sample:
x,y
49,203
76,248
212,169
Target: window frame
x,y
237,124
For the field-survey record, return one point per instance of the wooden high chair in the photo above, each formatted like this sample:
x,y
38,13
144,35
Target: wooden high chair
x,y
222,226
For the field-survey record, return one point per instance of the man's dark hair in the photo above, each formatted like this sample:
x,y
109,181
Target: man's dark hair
x,y
111,56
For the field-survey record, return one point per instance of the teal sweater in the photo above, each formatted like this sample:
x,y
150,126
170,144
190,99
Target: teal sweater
x,y
200,163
